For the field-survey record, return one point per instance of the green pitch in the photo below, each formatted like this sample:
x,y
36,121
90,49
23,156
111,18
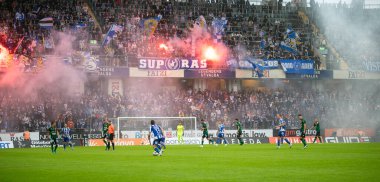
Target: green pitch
x,y
326,162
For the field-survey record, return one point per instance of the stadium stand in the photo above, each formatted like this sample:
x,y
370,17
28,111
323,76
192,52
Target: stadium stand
x,y
259,28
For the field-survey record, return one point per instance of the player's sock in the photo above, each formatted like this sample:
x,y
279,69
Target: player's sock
x,y
113,146
105,142
303,141
55,149
282,140
212,141
320,139
71,145
163,145
202,142
108,145
278,142
64,146
315,139
52,146
225,141
287,141
241,141
157,150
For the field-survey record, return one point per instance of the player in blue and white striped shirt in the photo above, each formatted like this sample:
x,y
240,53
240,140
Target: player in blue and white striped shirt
x,y
221,134
281,132
66,137
158,136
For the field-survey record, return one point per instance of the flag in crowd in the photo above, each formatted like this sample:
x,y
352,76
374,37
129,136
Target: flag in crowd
x,y
201,22
218,25
20,16
46,22
111,34
257,66
149,25
290,44
80,25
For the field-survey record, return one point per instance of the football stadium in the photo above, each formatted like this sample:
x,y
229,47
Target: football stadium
x,y
189,90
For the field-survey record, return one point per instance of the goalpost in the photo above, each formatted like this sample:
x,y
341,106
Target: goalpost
x,y
168,124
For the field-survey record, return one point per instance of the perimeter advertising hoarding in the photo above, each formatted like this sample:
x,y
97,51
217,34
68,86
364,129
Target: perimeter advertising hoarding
x,y
6,145
344,132
18,136
318,74
119,142
295,132
135,72
274,73
209,73
197,141
191,133
109,71
350,74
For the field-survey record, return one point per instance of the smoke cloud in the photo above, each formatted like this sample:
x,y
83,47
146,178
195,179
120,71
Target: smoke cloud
x,y
354,33
55,77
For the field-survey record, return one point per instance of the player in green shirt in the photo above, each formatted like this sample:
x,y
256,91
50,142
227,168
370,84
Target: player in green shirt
x,y
205,133
303,130
239,131
105,131
53,137
180,132
318,130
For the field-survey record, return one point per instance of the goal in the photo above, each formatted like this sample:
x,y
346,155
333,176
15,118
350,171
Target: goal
x,y
138,127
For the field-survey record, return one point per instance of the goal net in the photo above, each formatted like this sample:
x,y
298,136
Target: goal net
x,y
138,127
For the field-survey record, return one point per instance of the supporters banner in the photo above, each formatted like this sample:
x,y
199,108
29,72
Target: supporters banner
x,y
120,142
348,139
19,136
348,74
113,71
115,87
248,63
297,66
309,139
171,64
295,132
344,132
242,73
318,74
135,72
371,66
6,145
210,73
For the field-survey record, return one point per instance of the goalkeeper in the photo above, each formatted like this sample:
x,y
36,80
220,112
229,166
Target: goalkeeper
x,y
180,132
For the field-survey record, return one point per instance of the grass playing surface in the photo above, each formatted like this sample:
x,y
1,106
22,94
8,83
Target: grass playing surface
x,y
320,162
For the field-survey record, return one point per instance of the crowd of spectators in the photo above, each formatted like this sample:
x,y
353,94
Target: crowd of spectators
x,y
247,25
255,108
351,30
22,34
